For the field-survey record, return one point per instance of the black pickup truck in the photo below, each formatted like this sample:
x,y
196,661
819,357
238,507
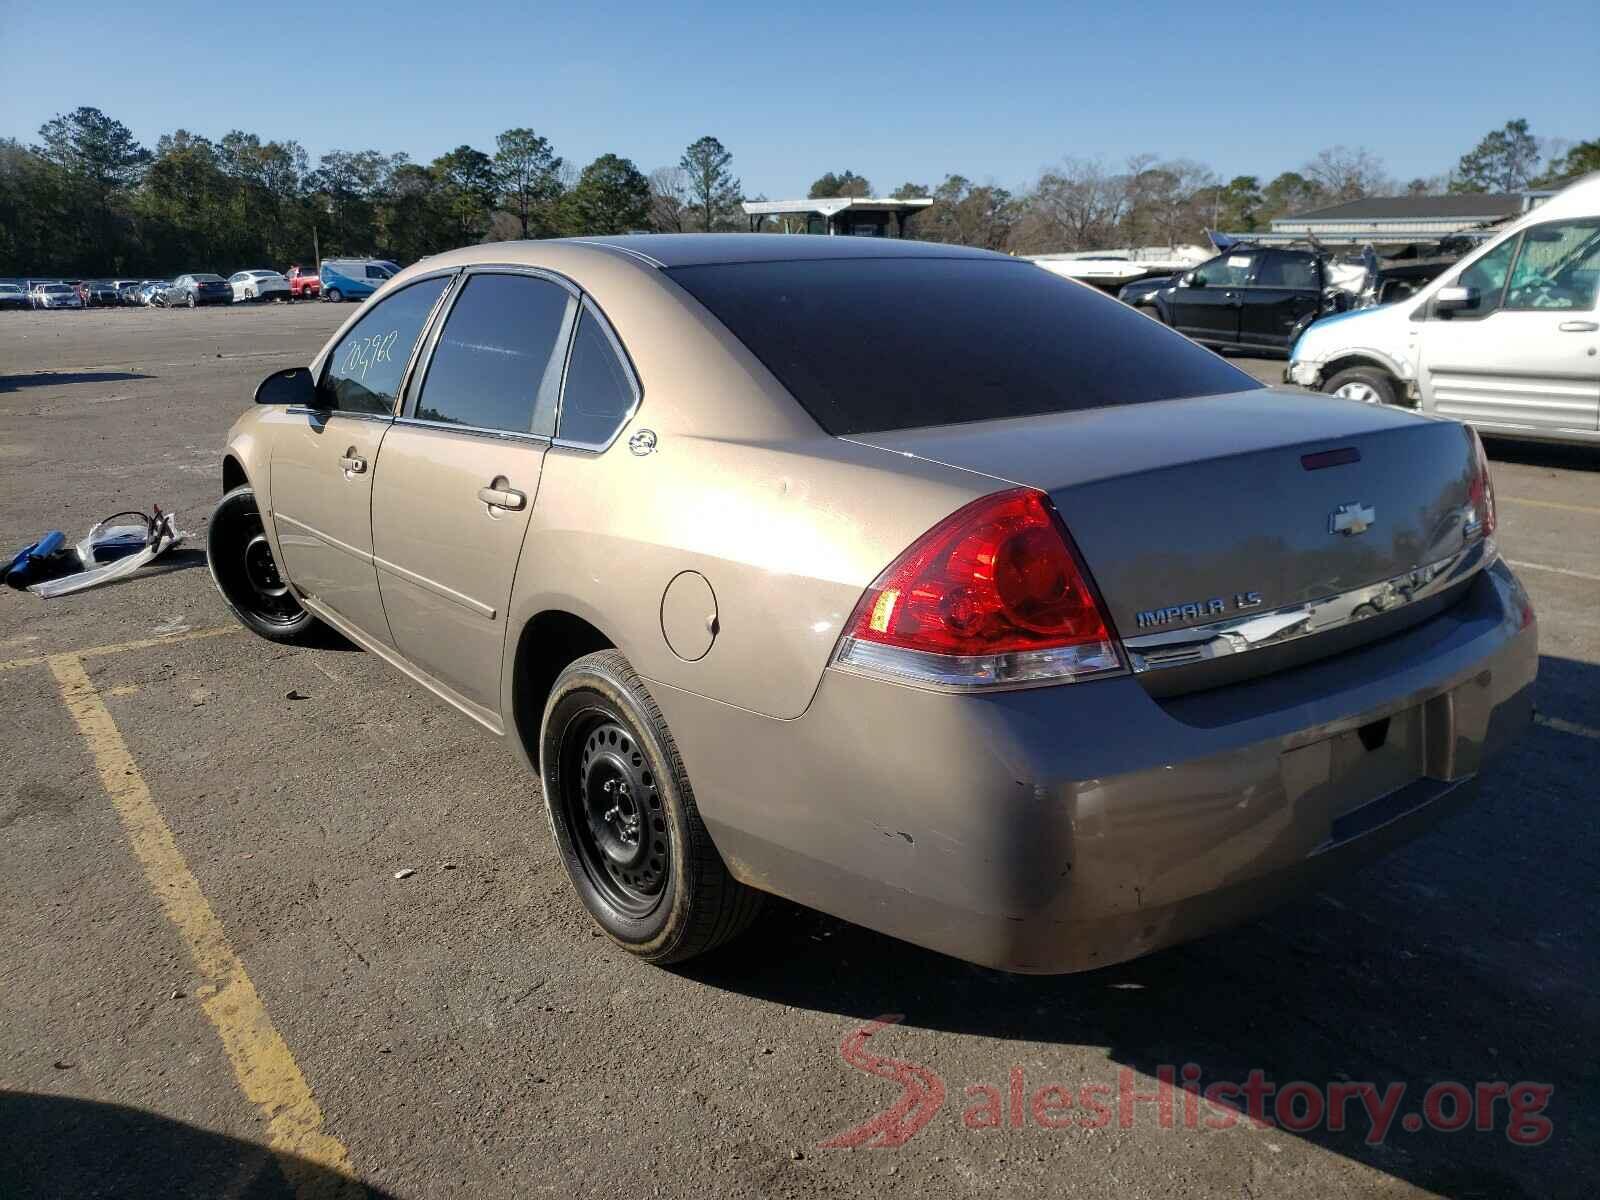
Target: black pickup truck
x,y
1259,299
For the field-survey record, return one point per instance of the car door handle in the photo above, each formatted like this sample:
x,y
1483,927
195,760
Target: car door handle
x,y
1579,327
352,464
502,497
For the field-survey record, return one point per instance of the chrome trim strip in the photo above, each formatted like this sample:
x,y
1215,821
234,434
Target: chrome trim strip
x,y
477,607
509,435
1240,635
354,552
977,672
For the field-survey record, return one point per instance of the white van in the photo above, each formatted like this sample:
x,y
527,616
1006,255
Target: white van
x,y
1508,339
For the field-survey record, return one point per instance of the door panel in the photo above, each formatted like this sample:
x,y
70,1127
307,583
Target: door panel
x,y
459,477
1284,289
1514,368
1206,307
322,472
1527,354
446,556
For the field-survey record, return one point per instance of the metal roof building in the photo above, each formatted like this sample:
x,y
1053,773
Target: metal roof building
x,y
865,216
1399,219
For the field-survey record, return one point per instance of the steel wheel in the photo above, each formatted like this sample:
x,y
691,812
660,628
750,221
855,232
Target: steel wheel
x,y
613,808
247,575
624,819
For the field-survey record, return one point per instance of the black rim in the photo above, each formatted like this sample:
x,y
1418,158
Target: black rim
x,y
247,571
612,804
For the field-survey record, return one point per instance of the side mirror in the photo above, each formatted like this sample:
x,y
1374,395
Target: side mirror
x,y
1192,279
292,387
1455,299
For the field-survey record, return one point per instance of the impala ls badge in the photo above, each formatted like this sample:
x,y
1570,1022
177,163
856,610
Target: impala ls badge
x,y
1351,519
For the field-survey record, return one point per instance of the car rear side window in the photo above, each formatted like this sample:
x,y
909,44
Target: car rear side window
x,y
867,345
1287,269
599,392
497,364
365,369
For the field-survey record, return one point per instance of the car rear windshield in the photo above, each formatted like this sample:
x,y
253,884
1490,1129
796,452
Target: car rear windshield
x,y
869,345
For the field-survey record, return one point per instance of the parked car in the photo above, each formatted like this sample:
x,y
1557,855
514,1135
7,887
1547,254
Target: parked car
x,y
197,289
1016,625
158,293
355,278
1508,340
258,285
56,295
12,296
1260,299
97,293
304,285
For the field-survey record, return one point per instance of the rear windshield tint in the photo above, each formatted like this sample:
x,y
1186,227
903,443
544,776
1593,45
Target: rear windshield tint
x,y
867,345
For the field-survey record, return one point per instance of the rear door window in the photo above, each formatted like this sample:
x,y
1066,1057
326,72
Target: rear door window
x,y
599,392
873,344
497,364
365,370
1286,269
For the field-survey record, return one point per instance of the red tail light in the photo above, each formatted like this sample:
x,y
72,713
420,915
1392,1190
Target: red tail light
x,y
993,594
1481,491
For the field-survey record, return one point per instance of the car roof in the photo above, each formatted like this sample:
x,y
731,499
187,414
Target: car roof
x,y
703,249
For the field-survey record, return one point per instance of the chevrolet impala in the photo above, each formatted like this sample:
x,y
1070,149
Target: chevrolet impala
x,y
905,581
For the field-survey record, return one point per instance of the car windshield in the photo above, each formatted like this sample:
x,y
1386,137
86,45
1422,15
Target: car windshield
x,y
55,287
207,278
9,287
868,345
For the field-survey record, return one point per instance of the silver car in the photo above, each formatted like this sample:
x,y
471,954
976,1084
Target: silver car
x,y
906,581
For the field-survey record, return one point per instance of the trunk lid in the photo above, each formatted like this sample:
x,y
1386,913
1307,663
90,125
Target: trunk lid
x,y
1189,512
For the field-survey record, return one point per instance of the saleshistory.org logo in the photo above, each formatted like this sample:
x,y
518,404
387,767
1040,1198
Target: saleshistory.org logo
x,y
1181,1095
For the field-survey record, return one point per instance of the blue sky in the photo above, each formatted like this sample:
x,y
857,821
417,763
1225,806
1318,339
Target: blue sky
x,y
994,91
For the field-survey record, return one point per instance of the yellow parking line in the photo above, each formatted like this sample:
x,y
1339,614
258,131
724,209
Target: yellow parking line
x,y
1577,508
38,660
315,1163
1572,727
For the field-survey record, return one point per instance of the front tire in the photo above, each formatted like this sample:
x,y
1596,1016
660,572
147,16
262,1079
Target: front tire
x,y
242,567
334,295
624,819
1370,385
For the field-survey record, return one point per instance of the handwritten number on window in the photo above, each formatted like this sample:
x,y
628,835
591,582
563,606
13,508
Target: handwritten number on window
x,y
367,352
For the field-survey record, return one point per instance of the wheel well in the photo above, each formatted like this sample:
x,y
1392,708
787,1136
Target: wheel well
x,y
232,474
548,643
1360,360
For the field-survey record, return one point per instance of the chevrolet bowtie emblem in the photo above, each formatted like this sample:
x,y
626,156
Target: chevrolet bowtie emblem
x,y
1351,519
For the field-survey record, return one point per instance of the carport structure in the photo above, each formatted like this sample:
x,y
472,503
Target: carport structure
x,y
864,216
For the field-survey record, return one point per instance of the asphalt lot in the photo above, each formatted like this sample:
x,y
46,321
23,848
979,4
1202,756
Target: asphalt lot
x,y
205,953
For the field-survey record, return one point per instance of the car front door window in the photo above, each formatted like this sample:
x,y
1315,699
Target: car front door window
x,y
1558,267
365,370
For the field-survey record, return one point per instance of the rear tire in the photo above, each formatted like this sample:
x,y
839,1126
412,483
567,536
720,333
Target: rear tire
x,y
624,820
1370,385
242,567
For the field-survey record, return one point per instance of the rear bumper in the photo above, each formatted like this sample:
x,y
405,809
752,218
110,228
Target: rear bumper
x,y
1066,828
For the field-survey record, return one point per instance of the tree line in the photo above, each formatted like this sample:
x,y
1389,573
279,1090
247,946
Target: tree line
x,y
88,199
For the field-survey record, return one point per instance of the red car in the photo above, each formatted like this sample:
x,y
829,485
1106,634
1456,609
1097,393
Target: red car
x,y
303,285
